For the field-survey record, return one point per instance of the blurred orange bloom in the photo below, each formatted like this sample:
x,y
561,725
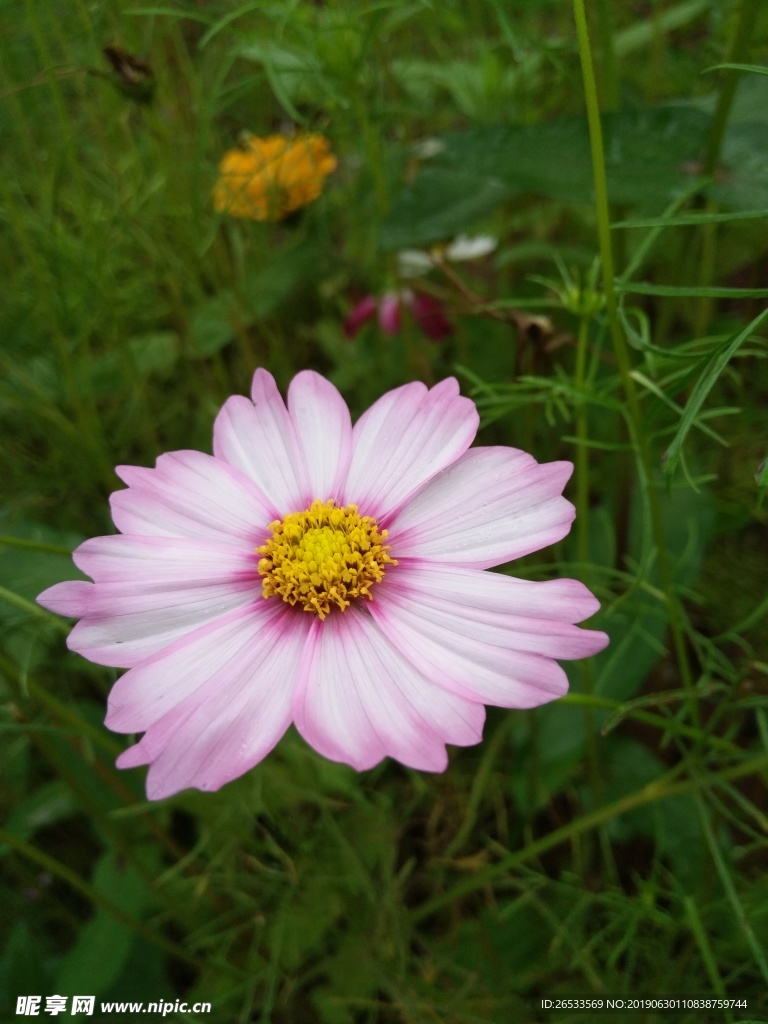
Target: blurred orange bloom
x,y
269,178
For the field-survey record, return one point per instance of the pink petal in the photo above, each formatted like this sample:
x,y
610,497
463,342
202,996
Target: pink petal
x,y
363,311
324,431
485,636
259,439
229,706
406,437
65,598
389,313
166,680
474,670
492,505
175,561
430,316
121,626
152,591
358,700
190,494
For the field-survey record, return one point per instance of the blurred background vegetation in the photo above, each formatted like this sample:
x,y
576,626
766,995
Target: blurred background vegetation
x,y
614,842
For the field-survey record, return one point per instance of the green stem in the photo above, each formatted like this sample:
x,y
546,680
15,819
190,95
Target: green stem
x,y
705,947
72,879
609,78
34,545
582,453
667,725
730,889
737,52
622,353
651,793
32,609
586,667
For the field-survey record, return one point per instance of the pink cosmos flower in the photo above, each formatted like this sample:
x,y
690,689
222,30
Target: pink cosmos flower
x,y
330,576
426,311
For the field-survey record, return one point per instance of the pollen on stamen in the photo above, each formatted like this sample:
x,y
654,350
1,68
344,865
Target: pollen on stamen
x,y
323,557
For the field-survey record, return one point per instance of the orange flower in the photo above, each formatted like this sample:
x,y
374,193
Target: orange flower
x,y
269,178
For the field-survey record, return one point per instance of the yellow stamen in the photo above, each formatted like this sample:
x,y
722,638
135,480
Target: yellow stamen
x,y
323,556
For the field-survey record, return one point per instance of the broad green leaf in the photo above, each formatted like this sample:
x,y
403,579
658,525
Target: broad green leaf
x,y
23,969
50,803
104,943
441,203
742,181
155,352
671,824
627,766
267,289
210,326
649,156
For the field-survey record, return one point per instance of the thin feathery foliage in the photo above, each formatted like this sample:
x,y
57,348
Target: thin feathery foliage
x,y
613,842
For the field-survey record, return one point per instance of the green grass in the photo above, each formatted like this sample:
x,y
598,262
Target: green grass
x,y
615,842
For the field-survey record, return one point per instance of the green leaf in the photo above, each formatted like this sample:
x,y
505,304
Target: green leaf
x,y
210,326
33,557
155,352
648,153
646,31
627,766
691,219
295,75
756,69
691,292
50,803
742,181
103,945
761,479
304,920
23,966
267,289
716,363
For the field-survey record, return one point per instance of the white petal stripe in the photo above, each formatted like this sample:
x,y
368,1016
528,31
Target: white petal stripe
x,y
323,430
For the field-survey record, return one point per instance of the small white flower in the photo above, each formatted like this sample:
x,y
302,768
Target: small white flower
x,y
414,263
470,247
418,262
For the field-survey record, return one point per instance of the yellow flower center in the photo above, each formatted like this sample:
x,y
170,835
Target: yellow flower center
x,y
323,556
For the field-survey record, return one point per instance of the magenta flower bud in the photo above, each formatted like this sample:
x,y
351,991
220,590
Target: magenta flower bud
x,y
362,312
389,312
428,314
